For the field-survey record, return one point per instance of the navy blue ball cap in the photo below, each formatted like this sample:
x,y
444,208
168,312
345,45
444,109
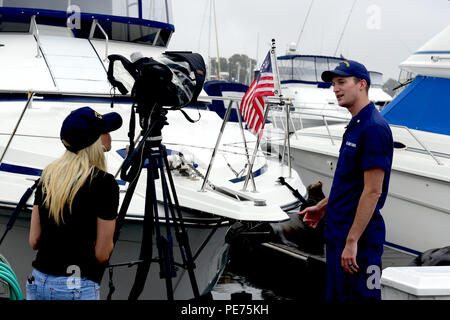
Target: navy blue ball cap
x,y
347,68
83,126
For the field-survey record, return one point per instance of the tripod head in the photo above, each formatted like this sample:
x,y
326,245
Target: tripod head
x,y
158,120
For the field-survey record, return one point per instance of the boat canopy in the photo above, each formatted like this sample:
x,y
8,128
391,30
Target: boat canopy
x,y
139,21
423,105
305,68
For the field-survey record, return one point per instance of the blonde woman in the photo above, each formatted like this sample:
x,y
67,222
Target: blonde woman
x,y
73,217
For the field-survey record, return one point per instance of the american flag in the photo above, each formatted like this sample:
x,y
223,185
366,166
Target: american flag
x,y
252,104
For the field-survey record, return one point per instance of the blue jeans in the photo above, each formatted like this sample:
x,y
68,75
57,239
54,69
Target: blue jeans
x,y
365,284
43,286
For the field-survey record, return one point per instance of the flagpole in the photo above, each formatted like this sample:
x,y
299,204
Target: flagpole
x,y
276,74
277,92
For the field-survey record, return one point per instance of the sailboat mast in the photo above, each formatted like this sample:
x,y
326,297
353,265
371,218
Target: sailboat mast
x,y
217,40
209,40
303,27
345,27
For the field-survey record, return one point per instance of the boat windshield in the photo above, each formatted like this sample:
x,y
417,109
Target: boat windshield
x,y
376,79
141,21
305,69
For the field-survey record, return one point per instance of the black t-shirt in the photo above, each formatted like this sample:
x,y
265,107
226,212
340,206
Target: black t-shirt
x,y
72,243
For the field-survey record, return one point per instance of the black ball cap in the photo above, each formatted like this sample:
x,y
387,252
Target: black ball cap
x,y
83,126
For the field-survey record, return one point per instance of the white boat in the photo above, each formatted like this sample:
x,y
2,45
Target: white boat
x,y
417,209
313,100
49,69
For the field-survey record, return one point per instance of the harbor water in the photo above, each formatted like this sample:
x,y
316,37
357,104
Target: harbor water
x,y
232,284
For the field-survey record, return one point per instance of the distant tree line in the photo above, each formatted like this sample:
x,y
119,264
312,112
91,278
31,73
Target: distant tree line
x,y
239,68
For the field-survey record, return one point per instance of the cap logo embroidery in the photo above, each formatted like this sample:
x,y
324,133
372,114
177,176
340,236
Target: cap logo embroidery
x,y
98,115
346,63
65,143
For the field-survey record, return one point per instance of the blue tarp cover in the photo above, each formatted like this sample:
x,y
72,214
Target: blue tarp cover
x,y
423,105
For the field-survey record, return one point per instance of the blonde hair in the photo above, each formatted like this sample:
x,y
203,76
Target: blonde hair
x,y
63,178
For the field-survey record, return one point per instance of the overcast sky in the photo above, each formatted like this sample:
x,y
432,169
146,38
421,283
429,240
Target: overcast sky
x,y
380,33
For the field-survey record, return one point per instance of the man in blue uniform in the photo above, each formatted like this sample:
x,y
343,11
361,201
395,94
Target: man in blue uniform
x,y
354,228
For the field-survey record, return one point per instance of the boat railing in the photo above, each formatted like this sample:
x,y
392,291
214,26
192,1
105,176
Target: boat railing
x,y
300,114
344,119
31,94
242,144
233,101
36,35
420,142
29,101
95,24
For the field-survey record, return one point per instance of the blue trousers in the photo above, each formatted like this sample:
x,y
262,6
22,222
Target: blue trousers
x,y
42,286
363,285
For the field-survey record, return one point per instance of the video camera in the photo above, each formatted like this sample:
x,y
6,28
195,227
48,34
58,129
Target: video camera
x,y
171,81
168,82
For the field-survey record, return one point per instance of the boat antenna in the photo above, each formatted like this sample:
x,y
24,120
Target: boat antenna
x,y
304,23
345,27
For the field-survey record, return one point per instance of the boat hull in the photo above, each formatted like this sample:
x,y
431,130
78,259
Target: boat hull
x,y
209,264
416,211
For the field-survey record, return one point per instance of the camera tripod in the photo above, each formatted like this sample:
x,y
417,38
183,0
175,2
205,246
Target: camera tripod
x,y
151,151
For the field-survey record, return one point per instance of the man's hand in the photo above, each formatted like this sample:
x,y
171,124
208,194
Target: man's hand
x,y
348,257
315,213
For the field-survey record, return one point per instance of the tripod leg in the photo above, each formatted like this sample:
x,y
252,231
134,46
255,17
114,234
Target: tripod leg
x,y
181,234
147,243
124,208
121,217
166,244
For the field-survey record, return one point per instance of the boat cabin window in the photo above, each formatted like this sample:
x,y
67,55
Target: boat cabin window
x,y
405,76
321,66
41,4
308,69
143,21
128,32
304,69
333,63
155,10
285,69
18,25
376,79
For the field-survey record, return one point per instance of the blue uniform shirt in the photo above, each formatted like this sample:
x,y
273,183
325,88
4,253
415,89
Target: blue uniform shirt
x,y
367,143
